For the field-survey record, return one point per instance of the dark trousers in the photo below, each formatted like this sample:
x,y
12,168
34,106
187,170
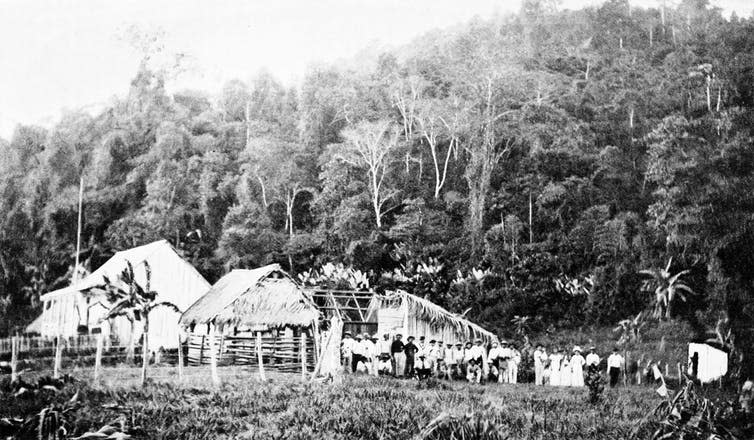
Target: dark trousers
x,y
355,358
409,371
614,376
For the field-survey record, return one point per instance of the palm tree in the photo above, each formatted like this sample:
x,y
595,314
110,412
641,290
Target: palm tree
x,y
668,287
133,302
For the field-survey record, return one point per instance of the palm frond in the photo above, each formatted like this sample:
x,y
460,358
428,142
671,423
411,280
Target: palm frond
x,y
166,304
675,277
685,288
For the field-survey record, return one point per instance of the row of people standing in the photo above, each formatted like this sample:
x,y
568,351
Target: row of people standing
x,y
562,369
470,361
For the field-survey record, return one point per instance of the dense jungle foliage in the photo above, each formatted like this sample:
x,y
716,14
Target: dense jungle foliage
x,y
529,165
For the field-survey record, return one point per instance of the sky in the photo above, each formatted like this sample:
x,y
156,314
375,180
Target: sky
x,y
75,54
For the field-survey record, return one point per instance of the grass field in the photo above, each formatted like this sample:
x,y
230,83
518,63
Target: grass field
x,y
361,407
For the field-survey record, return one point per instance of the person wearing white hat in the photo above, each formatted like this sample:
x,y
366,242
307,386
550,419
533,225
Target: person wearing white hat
x,y
540,361
372,353
513,363
577,368
346,350
493,358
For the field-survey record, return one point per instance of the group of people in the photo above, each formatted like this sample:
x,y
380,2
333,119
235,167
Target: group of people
x,y
471,361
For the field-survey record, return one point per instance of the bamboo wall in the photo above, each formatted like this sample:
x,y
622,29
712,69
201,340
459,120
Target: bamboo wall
x,y
278,353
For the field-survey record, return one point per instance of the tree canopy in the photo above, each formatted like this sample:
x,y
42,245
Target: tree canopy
x,y
513,156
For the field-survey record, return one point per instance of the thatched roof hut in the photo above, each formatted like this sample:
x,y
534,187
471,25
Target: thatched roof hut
x,y
410,315
253,300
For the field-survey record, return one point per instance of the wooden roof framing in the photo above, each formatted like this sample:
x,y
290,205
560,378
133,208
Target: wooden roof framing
x,y
351,306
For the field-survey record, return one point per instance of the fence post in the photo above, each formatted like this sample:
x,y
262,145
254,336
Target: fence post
x,y
98,357
303,355
14,359
680,375
213,356
220,351
180,359
58,357
201,351
259,356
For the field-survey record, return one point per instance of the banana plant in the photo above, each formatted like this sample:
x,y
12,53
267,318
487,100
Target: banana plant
x,y
667,289
133,301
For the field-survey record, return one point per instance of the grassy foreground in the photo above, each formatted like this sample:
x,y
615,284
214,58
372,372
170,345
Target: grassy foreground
x,y
360,407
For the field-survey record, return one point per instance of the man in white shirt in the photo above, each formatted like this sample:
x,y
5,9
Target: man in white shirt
x,y
592,358
504,355
439,356
449,360
513,362
614,367
493,358
540,361
422,345
346,351
370,353
480,355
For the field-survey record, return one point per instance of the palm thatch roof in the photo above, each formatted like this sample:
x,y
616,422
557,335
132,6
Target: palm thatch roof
x,y
265,297
430,312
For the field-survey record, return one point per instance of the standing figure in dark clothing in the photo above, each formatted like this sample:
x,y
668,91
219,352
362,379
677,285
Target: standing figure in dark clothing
x,y
397,357
614,367
410,349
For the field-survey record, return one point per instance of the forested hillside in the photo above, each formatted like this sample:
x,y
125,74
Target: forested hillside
x,y
526,166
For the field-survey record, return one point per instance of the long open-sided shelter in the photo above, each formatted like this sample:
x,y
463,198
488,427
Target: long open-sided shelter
x,y
66,312
396,312
410,315
245,304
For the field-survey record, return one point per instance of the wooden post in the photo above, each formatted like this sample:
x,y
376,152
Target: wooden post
x,y
14,359
58,357
213,356
259,357
303,355
318,366
180,359
201,351
667,370
680,375
98,357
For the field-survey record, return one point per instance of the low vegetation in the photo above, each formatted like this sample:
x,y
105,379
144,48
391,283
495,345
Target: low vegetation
x,y
359,408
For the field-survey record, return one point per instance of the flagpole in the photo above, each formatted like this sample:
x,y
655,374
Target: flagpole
x,y
78,233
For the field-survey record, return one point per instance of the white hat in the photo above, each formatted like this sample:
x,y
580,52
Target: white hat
x,y
577,348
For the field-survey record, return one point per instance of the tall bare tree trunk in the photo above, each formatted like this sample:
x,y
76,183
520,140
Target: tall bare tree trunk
x,y
145,350
131,349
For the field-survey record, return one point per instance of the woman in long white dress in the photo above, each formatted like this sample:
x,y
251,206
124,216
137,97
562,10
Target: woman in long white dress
x,y
556,358
577,368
